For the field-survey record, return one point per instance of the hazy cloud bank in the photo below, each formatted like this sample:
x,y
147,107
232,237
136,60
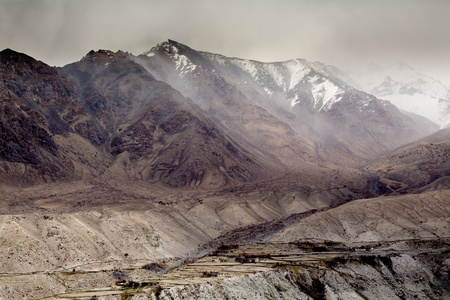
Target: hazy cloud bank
x,y
335,32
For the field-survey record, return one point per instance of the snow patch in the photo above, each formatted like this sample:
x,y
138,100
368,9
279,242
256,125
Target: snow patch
x,y
292,78
182,63
268,91
295,101
325,94
297,72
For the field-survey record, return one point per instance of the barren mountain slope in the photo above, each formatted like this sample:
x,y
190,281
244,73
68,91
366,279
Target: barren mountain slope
x,y
412,216
152,132
228,104
87,225
420,169
415,164
112,119
40,116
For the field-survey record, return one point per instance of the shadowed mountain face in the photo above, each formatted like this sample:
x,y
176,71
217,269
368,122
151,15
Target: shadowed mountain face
x,y
37,105
151,131
111,119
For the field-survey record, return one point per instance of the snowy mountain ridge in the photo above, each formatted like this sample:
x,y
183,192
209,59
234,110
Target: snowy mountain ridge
x,y
308,102
286,78
290,76
319,87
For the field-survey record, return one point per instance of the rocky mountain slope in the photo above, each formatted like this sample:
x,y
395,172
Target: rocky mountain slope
x,y
416,164
397,270
38,109
114,115
381,219
113,121
152,132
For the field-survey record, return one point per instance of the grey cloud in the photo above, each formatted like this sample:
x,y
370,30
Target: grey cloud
x,y
335,32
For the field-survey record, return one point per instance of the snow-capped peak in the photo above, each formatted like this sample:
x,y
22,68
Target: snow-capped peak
x,y
296,81
290,78
176,52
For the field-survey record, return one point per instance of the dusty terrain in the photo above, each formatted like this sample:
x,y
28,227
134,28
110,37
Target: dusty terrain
x,y
136,177
74,237
381,219
301,270
64,226
415,164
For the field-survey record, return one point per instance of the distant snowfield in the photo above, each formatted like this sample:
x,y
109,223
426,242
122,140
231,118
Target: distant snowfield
x,y
409,90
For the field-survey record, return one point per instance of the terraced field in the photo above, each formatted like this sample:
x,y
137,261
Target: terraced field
x,y
304,264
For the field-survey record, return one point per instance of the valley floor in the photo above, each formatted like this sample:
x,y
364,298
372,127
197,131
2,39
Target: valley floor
x,y
85,241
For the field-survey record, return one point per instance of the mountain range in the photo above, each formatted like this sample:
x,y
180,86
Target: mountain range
x,y
118,158
188,118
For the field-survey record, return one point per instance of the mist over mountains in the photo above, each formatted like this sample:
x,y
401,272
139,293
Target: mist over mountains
x,y
188,118
408,89
117,160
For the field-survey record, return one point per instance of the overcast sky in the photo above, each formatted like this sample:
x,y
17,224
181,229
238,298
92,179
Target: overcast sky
x,y
334,32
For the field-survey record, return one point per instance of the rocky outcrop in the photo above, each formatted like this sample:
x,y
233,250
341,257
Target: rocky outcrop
x,y
269,285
